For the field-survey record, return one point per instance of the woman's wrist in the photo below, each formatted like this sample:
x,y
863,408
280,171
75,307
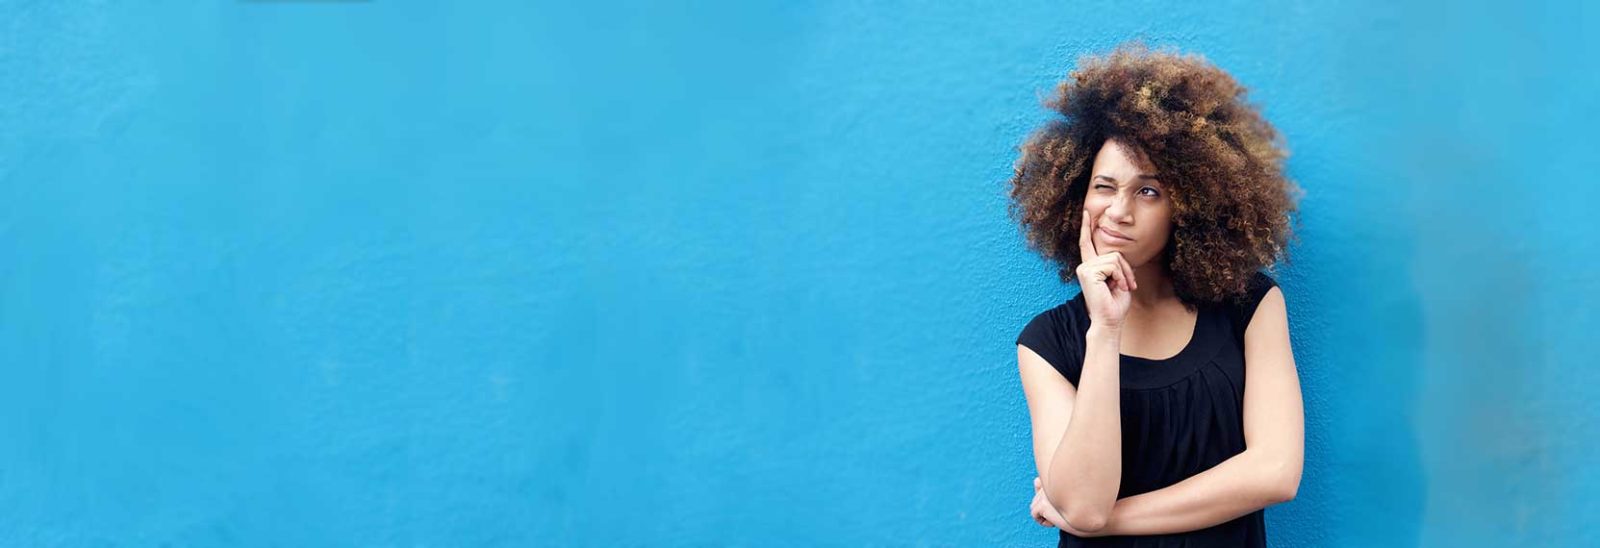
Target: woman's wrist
x,y
1104,332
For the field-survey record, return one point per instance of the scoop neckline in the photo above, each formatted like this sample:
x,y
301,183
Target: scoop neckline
x,y
1188,348
1146,373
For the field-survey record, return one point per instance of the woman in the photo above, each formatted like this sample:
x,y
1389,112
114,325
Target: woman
x,y
1165,405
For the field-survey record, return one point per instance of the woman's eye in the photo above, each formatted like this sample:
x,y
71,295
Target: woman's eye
x,y
1152,191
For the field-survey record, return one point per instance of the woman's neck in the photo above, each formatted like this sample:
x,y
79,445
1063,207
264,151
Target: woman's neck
x,y
1155,289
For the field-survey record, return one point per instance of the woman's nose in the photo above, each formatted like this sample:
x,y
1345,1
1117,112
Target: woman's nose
x,y
1117,209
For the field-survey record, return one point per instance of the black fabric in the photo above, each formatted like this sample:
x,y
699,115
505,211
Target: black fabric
x,y
1055,336
1180,415
1257,289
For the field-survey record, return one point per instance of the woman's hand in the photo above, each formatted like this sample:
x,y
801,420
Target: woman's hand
x,y
1046,514
1043,512
1107,280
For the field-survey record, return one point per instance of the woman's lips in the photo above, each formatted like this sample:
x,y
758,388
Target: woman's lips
x,y
1111,237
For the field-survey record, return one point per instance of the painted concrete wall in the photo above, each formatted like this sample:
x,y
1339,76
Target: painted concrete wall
x,y
479,274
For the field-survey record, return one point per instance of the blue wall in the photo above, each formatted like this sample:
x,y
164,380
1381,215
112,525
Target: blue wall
x,y
308,273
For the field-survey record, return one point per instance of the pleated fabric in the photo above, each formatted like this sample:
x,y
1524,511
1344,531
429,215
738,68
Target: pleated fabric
x,y
1180,416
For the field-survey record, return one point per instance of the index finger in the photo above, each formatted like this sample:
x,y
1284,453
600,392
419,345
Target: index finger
x,y
1085,243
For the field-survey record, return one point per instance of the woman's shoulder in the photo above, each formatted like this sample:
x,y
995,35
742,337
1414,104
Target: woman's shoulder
x,y
1058,326
1064,316
1243,307
1055,334
1260,283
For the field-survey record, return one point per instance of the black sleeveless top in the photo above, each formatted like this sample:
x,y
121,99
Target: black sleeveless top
x,y
1180,416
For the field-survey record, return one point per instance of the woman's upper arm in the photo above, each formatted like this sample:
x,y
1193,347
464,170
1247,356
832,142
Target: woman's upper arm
x,y
1274,416
1050,399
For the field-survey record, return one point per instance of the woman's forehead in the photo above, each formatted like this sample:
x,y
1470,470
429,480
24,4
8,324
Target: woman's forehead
x,y
1116,154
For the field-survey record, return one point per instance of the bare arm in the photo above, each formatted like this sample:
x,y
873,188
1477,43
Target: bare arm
x,y
1078,432
1082,472
1266,473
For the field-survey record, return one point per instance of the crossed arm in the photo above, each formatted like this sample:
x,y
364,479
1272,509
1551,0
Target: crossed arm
x,y
1265,473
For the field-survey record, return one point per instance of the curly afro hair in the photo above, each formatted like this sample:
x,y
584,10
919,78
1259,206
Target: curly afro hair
x,y
1220,159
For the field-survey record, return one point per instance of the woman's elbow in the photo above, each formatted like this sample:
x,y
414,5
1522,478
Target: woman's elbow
x,y
1083,513
1087,521
1286,483
1286,490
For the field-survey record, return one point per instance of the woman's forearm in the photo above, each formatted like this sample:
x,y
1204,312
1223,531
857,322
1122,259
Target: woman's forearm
x,y
1086,469
1240,485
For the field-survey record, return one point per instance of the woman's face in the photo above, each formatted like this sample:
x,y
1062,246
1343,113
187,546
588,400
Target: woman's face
x,y
1125,197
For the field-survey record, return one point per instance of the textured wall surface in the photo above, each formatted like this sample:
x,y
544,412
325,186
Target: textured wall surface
x,y
484,273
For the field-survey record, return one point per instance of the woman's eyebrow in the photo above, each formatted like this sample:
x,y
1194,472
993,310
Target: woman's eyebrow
x,y
1149,176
